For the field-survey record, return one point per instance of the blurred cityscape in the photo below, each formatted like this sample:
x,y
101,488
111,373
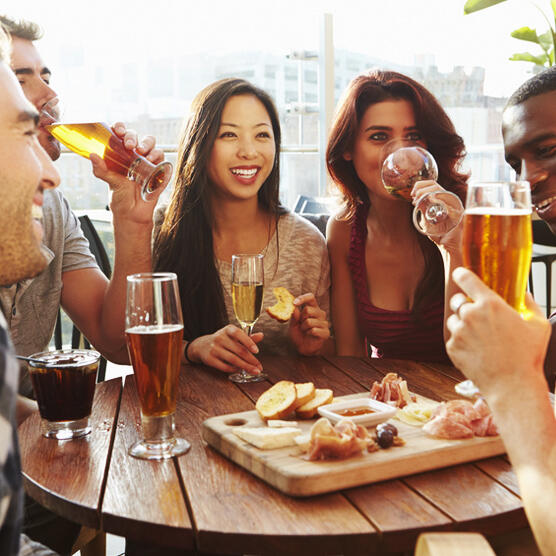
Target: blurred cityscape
x,y
153,97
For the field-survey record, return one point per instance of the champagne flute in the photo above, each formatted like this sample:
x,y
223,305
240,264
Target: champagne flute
x,y
406,163
154,333
98,137
497,242
247,297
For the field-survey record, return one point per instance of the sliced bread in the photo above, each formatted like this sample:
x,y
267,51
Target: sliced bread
x,y
278,401
305,391
309,409
284,307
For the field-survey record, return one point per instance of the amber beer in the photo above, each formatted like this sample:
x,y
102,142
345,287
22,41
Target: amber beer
x,y
98,138
497,246
155,355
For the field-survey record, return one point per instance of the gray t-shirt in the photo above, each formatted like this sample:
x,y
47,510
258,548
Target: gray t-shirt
x,y
34,308
296,259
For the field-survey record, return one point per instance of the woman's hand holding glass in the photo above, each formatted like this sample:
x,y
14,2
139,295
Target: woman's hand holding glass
x,y
309,328
228,350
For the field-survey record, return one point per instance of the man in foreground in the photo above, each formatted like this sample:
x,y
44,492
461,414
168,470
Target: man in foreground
x,y
72,278
493,345
26,172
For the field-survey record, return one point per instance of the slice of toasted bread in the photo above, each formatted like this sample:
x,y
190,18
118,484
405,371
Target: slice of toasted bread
x,y
284,307
278,401
309,410
305,391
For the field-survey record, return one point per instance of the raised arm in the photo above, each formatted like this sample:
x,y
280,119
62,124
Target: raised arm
x,y
342,295
96,305
503,354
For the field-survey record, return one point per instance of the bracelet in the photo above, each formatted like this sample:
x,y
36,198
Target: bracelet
x,y
186,354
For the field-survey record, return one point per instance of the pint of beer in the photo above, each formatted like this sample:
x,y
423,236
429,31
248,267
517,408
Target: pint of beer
x,y
497,237
154,333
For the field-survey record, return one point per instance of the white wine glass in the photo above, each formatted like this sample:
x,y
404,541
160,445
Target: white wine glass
x,y
406,163
154,334
247,298
497,243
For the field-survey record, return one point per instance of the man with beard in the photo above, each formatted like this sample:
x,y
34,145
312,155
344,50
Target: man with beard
x,y
493,345
26,173
72,277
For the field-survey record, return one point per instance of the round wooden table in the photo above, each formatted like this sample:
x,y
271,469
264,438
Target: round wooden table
x,y
202,501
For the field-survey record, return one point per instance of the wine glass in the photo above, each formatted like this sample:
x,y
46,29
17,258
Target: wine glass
x,y
154,333
247,297
498,241
406,163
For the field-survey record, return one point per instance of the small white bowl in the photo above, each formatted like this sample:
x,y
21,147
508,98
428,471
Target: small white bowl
x,y
377,411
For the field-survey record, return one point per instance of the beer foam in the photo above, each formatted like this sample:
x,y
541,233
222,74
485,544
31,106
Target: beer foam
x,y
498,211
154,329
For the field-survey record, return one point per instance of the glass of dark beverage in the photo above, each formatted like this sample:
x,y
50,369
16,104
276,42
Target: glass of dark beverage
x,y
98,138
64,384
154,333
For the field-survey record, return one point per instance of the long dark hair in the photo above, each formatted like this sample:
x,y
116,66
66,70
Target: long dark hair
x,y
183,243
438,131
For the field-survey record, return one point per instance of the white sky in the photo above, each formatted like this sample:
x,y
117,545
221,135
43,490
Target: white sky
x,y
395,30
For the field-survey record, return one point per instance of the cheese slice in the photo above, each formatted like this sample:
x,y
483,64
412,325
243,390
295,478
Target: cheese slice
x,y
267,438
279,423
416,413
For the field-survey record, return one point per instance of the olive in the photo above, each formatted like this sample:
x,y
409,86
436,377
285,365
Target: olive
x,y
389,427
385,437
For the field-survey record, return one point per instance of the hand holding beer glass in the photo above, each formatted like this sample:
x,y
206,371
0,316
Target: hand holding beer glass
x,y
247,297
497,242
406,163
98,138
154,333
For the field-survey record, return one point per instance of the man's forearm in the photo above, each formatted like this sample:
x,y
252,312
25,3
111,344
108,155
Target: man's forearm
x,y
132,255
526,421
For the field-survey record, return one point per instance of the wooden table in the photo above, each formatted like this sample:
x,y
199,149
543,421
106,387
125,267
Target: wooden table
x,y
203,501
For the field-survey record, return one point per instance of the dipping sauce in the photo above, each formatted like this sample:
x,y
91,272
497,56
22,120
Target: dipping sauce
x,y
355,411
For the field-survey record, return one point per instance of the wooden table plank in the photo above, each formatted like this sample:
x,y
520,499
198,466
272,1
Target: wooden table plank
x,y
398,512
74,470
471,498
235,512
143,499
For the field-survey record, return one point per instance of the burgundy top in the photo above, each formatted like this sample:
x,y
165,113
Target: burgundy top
x,y
393,334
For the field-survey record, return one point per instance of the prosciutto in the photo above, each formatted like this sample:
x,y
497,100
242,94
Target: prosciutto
x,y
392,390
461,419
342,441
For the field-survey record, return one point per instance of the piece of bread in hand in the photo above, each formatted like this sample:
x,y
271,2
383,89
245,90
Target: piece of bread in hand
x,y
310,409
283,309
305,391
278,401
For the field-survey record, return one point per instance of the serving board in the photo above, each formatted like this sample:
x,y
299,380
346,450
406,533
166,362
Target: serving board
x,y
287,470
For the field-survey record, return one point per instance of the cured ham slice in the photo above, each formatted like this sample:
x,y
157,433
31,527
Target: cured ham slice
x,y
392,390
342,441
461,419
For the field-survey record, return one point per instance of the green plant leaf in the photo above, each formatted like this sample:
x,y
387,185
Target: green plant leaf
x,y
526,34
476,5
553,4
546,40
528,57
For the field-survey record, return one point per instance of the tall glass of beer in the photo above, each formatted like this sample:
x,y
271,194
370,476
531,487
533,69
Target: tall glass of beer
x,y
98,137
497,243
154,332
497,237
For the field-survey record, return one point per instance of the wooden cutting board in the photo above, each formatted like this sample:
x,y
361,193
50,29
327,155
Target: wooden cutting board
x,y
287,470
